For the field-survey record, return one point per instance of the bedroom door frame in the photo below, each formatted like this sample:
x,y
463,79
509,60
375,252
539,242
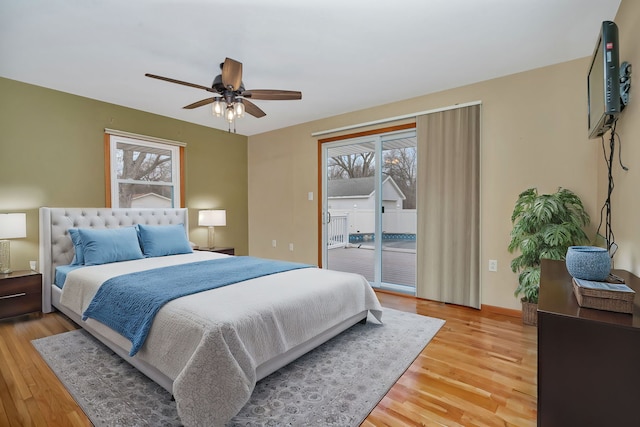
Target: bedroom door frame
x,y
377,137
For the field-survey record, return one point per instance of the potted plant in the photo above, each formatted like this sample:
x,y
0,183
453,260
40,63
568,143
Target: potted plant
x,y
544,226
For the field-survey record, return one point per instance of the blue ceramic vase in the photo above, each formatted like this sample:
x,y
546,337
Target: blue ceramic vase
x,y
588,262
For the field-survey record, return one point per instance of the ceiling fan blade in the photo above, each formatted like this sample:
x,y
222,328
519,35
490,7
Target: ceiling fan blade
x,y
253,109
199,103
232,74
270,94
180,82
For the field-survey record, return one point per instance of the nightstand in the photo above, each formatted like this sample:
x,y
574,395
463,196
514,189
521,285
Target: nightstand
x,y
20,293
218,249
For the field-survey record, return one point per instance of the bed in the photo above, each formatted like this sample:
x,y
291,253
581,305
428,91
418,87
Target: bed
x,y
207,349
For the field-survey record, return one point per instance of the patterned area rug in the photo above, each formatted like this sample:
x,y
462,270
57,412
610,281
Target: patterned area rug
x,y
337,384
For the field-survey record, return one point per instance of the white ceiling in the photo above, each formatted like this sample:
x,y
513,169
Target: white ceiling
x,y
344,55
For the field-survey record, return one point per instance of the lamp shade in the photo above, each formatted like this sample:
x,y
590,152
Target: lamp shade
x,y
13,226
212,218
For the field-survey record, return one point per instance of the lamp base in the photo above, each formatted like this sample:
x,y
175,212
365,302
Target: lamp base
x,y
5,257
211,238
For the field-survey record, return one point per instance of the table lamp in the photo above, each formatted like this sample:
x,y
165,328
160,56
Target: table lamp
x,y
211,219
12,226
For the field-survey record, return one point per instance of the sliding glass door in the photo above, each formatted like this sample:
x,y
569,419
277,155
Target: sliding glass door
x,y
369,212
399,224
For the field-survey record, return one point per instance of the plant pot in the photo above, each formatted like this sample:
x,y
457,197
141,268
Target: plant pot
x,y
530,313
588,262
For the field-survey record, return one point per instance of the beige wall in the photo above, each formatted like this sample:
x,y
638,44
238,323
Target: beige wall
x,y
625,200
51,154
533,135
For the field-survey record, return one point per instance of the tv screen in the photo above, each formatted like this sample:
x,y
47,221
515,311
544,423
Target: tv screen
x,y
603,81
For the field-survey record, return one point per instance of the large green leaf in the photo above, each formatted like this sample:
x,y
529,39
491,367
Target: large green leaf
x,y
529,284
557,235
545,209
523,204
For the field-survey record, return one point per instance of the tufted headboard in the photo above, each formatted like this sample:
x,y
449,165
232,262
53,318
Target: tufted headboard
x,y
55,243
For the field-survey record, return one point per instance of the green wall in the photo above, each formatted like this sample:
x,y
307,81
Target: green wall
x,y
52,154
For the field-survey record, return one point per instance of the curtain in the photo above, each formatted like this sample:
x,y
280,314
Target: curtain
x,y
449,206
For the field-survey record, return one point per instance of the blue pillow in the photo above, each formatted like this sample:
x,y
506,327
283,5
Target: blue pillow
x,y
161,240
105,245
78,256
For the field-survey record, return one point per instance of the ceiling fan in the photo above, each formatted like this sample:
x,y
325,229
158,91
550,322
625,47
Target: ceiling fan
x,y
230,97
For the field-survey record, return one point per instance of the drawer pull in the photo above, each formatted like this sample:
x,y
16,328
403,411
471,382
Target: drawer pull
x,y
13,296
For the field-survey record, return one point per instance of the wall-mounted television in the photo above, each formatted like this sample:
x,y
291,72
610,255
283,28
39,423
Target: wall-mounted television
x,y
604,81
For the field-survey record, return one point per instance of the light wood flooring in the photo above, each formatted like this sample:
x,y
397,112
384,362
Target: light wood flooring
x,y
479,370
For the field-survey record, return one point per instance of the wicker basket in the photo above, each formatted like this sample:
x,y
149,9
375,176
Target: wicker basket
x,y
620,302
529,313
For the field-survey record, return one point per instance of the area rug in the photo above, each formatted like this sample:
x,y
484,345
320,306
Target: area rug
x,y
337,384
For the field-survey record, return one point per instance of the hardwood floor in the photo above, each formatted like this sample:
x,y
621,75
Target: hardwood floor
x,y
479,370
30,394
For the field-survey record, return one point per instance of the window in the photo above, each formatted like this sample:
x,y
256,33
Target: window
x,y
143,172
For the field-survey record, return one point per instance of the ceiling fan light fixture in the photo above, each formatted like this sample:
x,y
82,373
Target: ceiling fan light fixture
x,y
217,108
238,108
230,114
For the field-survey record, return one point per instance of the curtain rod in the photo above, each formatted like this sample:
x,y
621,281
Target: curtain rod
x,y
396,118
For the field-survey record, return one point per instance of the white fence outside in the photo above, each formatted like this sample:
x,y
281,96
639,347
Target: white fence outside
x,y
337,231
363,221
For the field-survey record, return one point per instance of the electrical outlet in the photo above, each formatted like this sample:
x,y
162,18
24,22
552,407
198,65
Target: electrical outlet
x,y
291,247
493,265
310,195
273,243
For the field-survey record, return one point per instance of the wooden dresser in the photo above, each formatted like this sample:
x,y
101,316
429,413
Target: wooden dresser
x,y
20,293
588,360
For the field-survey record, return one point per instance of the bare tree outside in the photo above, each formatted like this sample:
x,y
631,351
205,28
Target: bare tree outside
x,y
401,165
358,165
142,170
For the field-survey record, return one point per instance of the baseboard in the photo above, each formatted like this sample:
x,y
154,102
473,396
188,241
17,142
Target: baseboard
x,y
501,310
399,294
483,308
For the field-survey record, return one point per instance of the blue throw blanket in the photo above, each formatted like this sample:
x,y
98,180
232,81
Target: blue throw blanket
x,y
129,303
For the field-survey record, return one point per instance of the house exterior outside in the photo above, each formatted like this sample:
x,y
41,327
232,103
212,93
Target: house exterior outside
x,y
150,200
359,193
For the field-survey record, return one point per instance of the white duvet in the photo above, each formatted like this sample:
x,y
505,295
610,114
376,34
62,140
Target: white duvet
x,y
210,343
